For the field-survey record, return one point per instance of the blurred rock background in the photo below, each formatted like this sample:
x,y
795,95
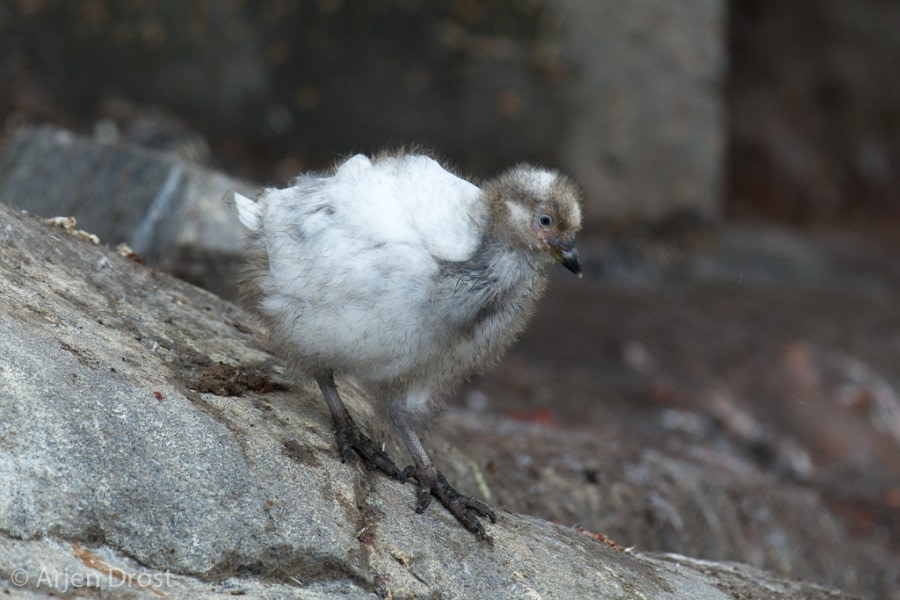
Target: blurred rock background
x,y
740,163
624,95
814,126
661,110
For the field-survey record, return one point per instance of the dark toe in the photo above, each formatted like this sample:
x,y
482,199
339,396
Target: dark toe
x,y
350,439
464,508
480,507
424,495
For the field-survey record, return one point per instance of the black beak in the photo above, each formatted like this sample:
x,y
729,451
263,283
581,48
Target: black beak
x,y
566,253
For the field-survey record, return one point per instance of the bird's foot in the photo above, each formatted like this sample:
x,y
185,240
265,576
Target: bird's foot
x,y
464,508
350,438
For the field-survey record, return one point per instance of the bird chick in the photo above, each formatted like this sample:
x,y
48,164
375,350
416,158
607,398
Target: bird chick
x,y
408,278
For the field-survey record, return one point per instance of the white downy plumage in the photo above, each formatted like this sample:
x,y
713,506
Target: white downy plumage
x,y
352,256
405,276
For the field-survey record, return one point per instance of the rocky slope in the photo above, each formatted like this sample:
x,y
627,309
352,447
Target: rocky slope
x,y
150,447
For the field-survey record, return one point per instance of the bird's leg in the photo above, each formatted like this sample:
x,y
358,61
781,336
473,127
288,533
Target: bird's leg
x,y
348,435
432,482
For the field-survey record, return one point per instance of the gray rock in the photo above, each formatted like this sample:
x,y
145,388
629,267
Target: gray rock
x,y
146,433
647,135
171,213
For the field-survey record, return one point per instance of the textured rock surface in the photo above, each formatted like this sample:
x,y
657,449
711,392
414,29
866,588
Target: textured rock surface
x,y
145,432
170,212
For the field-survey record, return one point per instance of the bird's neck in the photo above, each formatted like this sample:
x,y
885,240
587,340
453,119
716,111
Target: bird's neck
x,y
495,290
508,264
503,258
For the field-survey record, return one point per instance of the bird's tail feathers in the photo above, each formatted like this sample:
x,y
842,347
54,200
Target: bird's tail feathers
x,y
248,211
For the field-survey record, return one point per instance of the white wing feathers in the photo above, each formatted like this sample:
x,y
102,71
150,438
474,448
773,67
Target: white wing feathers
x,y
364,241
405,201
408,200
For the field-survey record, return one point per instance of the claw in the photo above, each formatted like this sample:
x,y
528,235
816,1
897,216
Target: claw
x,y
424,500
433,484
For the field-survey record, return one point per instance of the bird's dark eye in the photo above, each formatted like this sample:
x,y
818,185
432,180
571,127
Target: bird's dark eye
x,y
545,220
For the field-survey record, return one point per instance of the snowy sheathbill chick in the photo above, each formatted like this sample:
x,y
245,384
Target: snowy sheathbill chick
x,y
408,278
